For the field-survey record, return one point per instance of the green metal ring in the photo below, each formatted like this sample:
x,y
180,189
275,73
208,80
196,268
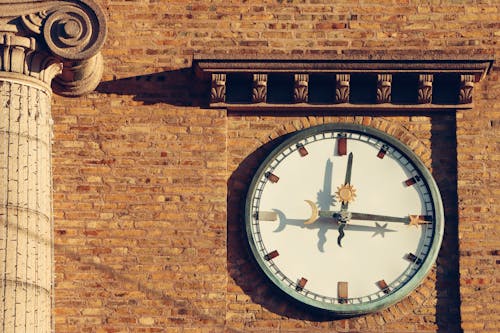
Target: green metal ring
x,y
394,297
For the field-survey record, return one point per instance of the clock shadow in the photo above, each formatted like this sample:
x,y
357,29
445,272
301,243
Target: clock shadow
x,y
245,275
242,267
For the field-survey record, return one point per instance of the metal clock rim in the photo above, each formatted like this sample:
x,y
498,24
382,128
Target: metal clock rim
x,y
415,280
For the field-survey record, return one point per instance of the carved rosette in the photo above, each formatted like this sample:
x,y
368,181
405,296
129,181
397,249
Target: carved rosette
x,y
425,88
342,88
301,88
71,32
384,83
259,89
218,89
466,87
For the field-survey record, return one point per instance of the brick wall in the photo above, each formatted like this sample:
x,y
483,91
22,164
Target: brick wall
x,y
148,185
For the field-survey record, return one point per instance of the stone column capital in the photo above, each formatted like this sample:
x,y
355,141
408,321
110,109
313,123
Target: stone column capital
x,y
63,35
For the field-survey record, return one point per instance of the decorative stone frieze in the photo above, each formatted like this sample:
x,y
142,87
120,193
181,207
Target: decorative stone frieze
x,y
425,88
414,77
301,88
218,90
43,44
342,88
384,84
259,90
466,87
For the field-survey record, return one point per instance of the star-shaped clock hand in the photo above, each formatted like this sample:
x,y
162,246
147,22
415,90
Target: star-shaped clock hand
x,y
414,220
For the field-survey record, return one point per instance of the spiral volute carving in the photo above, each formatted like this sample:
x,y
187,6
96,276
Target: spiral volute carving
x,y
75,31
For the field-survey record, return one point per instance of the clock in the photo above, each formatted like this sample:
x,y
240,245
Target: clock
x,y
344,218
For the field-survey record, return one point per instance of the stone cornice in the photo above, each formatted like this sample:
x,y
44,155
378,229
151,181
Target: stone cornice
x,y
61,31
418,81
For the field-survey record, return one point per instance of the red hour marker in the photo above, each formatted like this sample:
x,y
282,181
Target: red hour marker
x,y
302,150
382,152
413,258
342,145
412,181
342,292
383,286
301,284
271,255
272,177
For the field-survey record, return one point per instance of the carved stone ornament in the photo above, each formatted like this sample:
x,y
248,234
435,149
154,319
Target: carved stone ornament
x,y
218,90
259,90
384,84
60,31
425,88
342,88
301,88
415,76
466,87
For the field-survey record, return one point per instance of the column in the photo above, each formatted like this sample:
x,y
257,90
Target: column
x,y
43,46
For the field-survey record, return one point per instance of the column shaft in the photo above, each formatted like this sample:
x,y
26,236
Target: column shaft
x,y
26,250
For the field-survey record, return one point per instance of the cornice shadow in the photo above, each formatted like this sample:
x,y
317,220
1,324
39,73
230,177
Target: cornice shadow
x,y
177,87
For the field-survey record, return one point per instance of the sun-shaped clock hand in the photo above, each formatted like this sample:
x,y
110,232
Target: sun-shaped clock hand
x,y
346,193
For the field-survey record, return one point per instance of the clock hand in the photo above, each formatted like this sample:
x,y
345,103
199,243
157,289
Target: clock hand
x,y
410,219
346,194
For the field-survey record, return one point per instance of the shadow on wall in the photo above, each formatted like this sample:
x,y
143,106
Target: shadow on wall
x,y
444,166
176,87
245,272
182,88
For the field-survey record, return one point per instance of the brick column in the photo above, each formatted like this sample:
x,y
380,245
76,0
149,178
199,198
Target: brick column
x,y
38,41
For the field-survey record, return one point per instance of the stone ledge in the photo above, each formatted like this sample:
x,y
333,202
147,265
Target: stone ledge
x,y
432,81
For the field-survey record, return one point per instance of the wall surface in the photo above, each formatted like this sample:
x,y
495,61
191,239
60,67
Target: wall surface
x,y
149,184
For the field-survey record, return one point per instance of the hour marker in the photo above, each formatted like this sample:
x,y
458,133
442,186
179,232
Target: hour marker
x,y
302,150
342,292
412,181
413,258
271,255
342,145
272,177
266,216
382,152
383,286
301,284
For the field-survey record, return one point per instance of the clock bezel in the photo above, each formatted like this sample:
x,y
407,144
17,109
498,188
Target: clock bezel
x,y
393,297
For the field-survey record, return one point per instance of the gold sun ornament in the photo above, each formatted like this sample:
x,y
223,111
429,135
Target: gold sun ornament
x,y
346,193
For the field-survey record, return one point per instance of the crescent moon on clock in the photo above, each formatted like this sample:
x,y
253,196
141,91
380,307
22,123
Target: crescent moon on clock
x,y
314,215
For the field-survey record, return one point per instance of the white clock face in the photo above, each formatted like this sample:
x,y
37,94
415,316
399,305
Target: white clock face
x,y
341,218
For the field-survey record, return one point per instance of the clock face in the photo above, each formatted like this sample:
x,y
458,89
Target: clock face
x,y
344,218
